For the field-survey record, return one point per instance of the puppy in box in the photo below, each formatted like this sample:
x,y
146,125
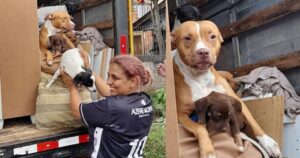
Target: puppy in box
x,y
221,113
54,23
197,48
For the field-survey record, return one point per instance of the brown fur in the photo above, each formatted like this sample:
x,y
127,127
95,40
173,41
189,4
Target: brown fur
x,y
229,78
61,43
220,113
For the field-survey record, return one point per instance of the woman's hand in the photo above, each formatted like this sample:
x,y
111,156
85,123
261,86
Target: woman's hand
x,y
67,79
161,69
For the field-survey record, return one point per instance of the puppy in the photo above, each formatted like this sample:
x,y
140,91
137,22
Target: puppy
x,y
221,113
185,12
197,48
54,23
72,64
60,42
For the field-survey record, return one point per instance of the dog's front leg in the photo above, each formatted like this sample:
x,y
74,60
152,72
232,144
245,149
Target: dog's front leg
x,y
56,74
235,130
199,130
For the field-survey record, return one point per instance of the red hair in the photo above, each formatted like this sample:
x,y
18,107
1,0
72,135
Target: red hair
x,y
133,66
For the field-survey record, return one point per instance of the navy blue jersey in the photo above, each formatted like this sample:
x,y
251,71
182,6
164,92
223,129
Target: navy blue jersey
x,y
118,125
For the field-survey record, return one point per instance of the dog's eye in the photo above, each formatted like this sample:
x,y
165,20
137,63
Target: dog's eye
x,y
188,38
213,37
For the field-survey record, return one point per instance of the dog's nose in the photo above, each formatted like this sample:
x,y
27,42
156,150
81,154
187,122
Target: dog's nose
x,y
224,128
203,52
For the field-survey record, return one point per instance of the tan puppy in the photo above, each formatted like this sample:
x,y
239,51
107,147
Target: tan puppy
x,y
54,23
198,45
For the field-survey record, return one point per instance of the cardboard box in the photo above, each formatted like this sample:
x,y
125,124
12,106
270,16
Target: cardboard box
x,y
269,112
19,58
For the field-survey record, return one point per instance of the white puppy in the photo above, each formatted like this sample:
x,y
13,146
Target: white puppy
x,y
72,63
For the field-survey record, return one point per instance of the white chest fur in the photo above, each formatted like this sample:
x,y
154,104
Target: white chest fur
x,y
201,84
50,28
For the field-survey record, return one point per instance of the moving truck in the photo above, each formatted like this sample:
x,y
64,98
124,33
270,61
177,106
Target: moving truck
x,y
20,74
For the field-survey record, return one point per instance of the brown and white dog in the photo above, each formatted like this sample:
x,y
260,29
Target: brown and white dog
x,y
54,23
221,113
197,47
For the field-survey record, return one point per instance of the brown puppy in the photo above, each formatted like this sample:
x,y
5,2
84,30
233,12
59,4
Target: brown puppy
x,y
54,23
60,42
221,113
197,47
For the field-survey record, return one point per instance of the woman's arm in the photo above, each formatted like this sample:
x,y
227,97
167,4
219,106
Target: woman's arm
x,y
75,98
102,86
75,101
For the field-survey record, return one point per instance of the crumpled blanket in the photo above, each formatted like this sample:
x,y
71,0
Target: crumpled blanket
x,y
264,81
92,34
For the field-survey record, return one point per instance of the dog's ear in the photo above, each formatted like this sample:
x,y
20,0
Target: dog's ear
x,y
88,70
49,17
78,79
236,120
221,38
173,37
64,45
201,106
236,104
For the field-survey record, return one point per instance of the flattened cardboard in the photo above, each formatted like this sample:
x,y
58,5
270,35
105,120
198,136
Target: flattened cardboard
x,y
19,57
268,112
172,142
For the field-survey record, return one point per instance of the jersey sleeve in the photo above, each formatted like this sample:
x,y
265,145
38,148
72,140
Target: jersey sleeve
x,y
95,114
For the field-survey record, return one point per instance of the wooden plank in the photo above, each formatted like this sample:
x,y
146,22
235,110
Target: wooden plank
x,y
260,18
282,62
103,63
198,3
106,24
91,3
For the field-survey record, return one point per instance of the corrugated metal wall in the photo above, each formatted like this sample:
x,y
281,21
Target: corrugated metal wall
x,y
268,41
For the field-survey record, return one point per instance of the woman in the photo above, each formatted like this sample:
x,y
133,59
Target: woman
x,y
118,124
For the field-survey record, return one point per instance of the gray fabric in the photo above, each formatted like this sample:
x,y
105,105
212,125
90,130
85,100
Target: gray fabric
x,y
265,80
92,34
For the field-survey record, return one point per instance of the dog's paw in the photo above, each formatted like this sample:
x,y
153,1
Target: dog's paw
x,y
209,156
50,63
269,145
208,153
